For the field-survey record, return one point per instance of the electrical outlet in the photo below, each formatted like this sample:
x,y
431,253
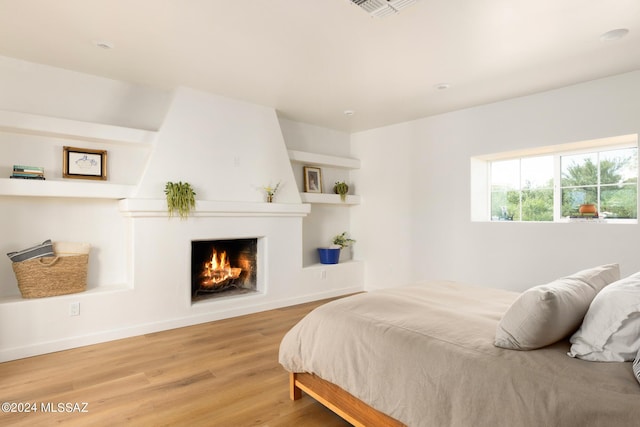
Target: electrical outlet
x,y
74,309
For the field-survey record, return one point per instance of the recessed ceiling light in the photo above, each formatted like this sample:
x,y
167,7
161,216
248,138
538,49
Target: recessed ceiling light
x,y
349,112
442,86
616,34
103,44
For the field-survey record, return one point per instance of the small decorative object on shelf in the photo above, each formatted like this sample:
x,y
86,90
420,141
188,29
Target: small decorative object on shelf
x,y
342,189
331,255
84,163
180,198
28,172
271,192
312,179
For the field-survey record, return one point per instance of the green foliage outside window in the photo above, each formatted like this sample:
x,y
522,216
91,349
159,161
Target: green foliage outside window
x,y
537,205
617,195
607,179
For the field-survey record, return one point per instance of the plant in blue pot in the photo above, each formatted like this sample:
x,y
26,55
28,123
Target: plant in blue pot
x,y
331,255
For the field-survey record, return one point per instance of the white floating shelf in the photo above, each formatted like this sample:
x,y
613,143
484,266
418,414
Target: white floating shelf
x,y
314,159
332,199
33,124
70,188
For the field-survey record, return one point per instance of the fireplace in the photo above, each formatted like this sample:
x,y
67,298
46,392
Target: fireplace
x,y
223,268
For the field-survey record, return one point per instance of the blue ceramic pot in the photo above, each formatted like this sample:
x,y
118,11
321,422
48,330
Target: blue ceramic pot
x,y
329,255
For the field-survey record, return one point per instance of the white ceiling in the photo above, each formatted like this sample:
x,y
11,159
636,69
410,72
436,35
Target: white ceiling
x,y
314,59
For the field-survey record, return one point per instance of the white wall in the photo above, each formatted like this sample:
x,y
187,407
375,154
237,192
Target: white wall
x,y
41,89
383,222
426,184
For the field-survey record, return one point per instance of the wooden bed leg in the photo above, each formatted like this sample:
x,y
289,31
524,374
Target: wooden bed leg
x,y
294,392
350,408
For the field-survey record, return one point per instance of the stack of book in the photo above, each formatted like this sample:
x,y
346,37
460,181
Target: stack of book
x,y
28,172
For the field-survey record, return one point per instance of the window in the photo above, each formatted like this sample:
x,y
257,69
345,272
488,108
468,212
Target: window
x,y
608,179
552,183
522,189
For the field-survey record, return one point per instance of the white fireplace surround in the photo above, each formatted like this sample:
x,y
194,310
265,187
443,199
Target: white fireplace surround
x,y
273,225
168,271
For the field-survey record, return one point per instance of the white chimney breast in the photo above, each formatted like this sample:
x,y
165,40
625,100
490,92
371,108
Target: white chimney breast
x,y
226,149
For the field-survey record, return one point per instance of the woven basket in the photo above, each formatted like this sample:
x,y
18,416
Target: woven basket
x,y
50,276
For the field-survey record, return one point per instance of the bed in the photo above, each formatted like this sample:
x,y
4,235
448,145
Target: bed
x,y
425,355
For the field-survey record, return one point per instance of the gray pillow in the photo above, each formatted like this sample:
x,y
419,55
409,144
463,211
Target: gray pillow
x,y
43,250
547,313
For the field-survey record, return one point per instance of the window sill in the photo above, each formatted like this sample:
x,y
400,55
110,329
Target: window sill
x,y
569,220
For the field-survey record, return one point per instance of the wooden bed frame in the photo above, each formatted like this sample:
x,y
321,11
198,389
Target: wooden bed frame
x,y
352,409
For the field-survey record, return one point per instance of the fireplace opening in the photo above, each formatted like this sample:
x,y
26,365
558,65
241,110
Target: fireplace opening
x,y
223,267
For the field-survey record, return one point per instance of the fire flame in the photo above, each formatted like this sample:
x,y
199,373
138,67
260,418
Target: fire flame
x,y
218,270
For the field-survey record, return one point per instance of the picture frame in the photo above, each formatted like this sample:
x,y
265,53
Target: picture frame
x,y
84,163
312,179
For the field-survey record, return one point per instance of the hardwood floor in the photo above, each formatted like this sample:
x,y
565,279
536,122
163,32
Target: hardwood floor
x,y
223,373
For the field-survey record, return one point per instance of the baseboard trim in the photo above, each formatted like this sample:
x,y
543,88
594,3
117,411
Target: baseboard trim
x,y
163,325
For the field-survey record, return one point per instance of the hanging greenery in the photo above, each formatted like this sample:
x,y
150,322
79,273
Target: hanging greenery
x,y
180,198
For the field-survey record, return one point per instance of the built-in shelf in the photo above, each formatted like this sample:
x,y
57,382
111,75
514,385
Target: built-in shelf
x,y
323,160
335,168
33,124
314,159
71,130
17,298
67,188
352,263
331,199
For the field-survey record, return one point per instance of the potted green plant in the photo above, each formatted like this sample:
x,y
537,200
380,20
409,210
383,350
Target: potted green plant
x,y
181,198
342,189
342,240
331,255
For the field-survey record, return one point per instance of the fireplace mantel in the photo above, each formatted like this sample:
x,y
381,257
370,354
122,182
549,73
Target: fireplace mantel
x,y
141,208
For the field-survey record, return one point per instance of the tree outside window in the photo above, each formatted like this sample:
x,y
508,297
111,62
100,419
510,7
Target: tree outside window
x,y
523,189
607,179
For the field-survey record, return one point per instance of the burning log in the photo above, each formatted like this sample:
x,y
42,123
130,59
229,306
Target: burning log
x,y
217,272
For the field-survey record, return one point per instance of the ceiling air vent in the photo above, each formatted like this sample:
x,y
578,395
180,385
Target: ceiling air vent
x,y
380,8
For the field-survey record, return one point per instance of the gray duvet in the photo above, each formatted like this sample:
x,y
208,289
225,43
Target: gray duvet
x,y
424,355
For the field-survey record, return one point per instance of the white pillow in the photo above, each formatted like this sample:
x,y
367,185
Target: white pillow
x,y
547,313
610,331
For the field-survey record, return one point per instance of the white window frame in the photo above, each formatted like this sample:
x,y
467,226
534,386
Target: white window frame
x,y
481,175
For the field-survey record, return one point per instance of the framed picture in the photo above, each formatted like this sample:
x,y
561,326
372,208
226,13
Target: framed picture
x,y
312,180
84,163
